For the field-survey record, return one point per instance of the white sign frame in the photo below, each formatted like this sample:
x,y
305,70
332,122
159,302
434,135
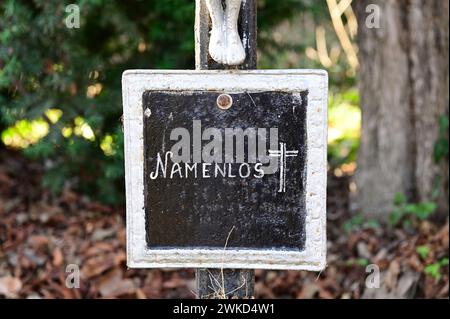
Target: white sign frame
x,y
313,257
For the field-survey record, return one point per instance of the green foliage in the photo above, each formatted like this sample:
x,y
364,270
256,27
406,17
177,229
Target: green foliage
x,y
423,251
363,262
440,154
441,145
344,127
435,270
360,221
45,65
354,222
406,212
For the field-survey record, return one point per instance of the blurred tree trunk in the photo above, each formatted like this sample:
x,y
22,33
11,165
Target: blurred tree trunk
x,y
403,82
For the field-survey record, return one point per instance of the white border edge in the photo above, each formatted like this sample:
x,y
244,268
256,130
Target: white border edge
x,y
138,256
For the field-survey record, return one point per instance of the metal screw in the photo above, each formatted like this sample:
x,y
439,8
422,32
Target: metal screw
x,y
224,101
147,112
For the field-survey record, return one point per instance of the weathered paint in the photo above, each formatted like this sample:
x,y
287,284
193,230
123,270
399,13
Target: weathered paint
x,y
225,45
185,209
312,257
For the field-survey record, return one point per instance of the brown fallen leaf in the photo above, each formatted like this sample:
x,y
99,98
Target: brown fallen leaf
x,y
174,282
97,265
405,288
308,291
98,248
10,286
392,274
112,284
140,294
264,291
443,236
38,241
58,257
325,294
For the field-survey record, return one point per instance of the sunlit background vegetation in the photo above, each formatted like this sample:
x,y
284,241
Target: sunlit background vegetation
x,y
60,98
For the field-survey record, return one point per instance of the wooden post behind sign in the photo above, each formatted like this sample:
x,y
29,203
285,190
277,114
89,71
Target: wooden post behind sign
x,y
225,283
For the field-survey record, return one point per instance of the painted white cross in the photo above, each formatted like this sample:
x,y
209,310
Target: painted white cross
x,y
282,154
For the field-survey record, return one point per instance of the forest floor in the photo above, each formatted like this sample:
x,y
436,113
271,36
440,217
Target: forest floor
x,y
41,234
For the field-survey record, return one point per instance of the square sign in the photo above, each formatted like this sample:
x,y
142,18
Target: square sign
x,y
226,169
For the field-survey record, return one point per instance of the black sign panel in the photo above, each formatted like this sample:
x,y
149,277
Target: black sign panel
x,y
198,197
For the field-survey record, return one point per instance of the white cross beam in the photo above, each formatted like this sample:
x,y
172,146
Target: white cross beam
x,y
283,155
